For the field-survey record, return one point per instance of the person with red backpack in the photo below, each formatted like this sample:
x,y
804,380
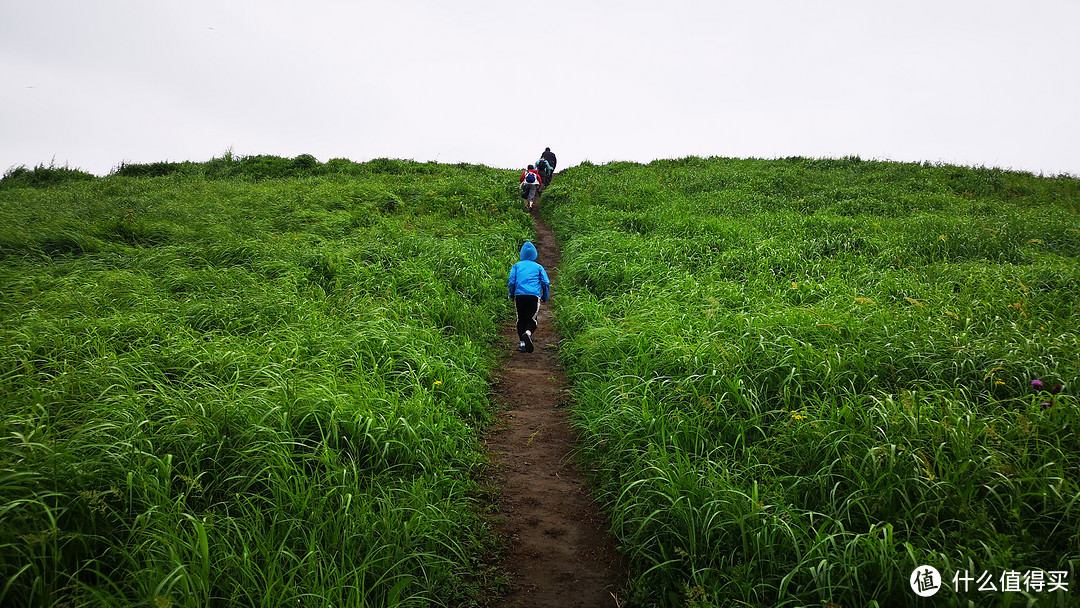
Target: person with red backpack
x,y
530,187
526,172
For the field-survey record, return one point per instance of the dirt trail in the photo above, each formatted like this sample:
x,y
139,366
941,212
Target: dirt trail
x,y
559,554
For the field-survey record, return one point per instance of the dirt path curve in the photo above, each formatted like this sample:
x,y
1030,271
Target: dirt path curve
x,y
559,553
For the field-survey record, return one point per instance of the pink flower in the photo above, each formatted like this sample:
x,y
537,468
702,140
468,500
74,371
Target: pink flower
x,y
1037,384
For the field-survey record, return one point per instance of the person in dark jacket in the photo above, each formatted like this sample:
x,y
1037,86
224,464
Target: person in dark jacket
x,y
549,156
529,286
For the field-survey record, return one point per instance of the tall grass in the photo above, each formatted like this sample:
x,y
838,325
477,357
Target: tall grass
x,y
248,392
797,380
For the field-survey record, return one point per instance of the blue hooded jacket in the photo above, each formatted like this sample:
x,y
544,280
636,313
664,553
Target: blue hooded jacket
x,y
527,278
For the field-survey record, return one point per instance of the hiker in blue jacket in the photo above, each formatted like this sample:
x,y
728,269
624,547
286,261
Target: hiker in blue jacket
x,y
529,285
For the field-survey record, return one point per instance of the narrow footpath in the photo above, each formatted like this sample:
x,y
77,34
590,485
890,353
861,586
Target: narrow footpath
x,y
559,553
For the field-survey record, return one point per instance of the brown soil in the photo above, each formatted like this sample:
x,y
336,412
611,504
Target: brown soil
x,y
558,552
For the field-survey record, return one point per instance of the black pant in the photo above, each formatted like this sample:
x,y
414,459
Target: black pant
x,y
527,309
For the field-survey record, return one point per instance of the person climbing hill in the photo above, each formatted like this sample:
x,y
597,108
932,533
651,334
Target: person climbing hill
x,y
529,286
544,168
531,184
531,169
549,156
530,189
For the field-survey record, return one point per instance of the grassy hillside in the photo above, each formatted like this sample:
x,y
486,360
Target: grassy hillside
x,y
249,382
797,380
258,381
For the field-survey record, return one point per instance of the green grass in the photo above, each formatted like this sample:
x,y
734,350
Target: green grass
x,y
797,380
259,381
248,382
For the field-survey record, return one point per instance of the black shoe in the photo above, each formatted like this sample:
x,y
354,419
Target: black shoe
x,y
528,343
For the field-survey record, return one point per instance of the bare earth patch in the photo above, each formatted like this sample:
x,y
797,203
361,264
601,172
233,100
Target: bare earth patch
x,y
558,551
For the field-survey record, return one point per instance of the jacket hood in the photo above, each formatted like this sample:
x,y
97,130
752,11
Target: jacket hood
x,y
528,252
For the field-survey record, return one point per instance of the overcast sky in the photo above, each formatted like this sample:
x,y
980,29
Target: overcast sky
x,y
92,83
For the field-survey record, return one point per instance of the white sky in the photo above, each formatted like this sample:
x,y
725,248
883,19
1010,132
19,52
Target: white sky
x,y
93,83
